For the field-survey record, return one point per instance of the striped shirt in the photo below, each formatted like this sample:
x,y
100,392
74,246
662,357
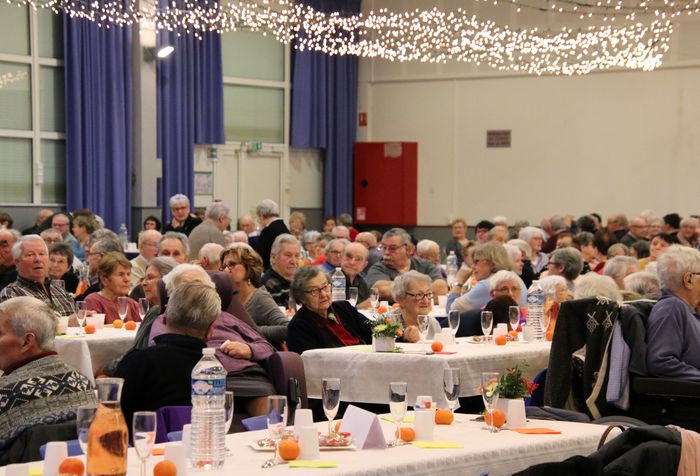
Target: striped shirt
x,y
58,299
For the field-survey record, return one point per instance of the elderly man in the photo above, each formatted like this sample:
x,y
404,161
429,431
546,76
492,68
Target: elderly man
x,y
429,250
559,225
398,258
673,328
639,230
353,262
37,386
174,245
688,234
619,267
8,271
148,249
100,244
41,217
341,231
182,221
284,261
209,256
334,255
32,261
61,222
246,223
273,226
618,225
345,219
369,241
211,230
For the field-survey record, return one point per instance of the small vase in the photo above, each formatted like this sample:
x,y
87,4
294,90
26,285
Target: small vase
x,y
514,408
383,344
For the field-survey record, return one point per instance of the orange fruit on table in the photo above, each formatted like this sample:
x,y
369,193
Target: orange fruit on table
x,y
499,418
437,346
117,323
549,335
382,309
89,329
396,305
501,339
165,468
513,334
289,449
407,433
73,466
130,325
443,416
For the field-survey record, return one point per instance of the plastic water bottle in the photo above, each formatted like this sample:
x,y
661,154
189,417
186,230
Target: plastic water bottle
x,y
338,284
207,445
451,268
535,309
124,236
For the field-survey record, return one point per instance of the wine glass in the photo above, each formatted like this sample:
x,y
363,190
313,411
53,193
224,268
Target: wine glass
x,y
352,296
228,407
83,419
486,323
80,315
143,307
276,420
330,391
514,317
450,384
423,326
122,307
144,432
453,322
374,299
489,392
397,407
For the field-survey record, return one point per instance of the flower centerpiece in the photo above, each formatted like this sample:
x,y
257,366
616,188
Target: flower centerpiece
x,y
386,328
512,389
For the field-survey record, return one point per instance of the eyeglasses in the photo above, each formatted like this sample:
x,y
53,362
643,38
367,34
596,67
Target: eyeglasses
x,y
230,264
335,252
316,292
421,296
394,248
513,290
4,243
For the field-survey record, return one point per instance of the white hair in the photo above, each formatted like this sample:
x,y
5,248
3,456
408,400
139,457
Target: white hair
x,y
425,246
514,252
155,234
500,276
593,284
211,251
239,236
267,208
216,210
18,246
174,235
403,282
523,245
674,263
29,314
528,232
172,279
281,239
618,266
549,283
500,220
643,283
178,199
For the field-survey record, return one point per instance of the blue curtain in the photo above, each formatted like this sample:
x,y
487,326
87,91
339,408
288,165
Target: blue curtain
x,y
98,119
190,107
324,107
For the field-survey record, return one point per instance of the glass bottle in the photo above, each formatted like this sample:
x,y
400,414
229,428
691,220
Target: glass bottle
x,y
108,434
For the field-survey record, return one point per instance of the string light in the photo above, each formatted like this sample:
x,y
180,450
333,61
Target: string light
x,y
418,35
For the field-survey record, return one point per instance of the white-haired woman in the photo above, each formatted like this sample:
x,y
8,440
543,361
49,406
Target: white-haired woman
x,y
534,237
413,291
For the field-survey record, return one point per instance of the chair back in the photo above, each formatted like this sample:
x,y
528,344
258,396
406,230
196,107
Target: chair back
x,y
255,423
283,366
27,446
169,419
230,302
470,323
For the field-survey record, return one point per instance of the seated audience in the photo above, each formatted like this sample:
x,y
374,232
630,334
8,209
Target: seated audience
x,y
688,233
114,273
211,230
308,240
656,225
39,224
617,249
60,259
369,241
174,245
238,236
673,328
328,224
345,219
659,243
482,231
297,224
155,271
459,238
499,307
334,255
617,225
619,267
8,271
430,251
148,249
83,227
499,234
151,223
640,249
596,285
284,261
182,220
643,283
639,229
413,292
209,256
321,323
353,262
341,232
101,242
565,262
534,237
555,292
528,273
559,226
37,387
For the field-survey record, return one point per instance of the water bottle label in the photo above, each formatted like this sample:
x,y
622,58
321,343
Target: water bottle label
x,y
535,299
208,387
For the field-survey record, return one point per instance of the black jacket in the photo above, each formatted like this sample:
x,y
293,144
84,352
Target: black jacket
x,y
267,237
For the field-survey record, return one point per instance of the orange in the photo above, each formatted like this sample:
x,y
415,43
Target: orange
x,y
130,325
337,425
407,433
72,466
549,335
165,468
513,334
289,450
117,324
382,309
89,329
396,305
443,416
501,340
499,418
437,346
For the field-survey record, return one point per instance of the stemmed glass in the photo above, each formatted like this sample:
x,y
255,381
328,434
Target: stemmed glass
x,y
450,384
228,407
276,420
80,315
374,299
143,307
486,323
489,392
423,327
397,407
330,391
453,322
144,431
514,317
122,307
83,420
352,296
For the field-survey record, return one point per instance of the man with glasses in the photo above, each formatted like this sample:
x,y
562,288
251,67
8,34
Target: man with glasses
x,y
61,222
182,220
334,254
353,262
284,261
639,231
8,271
398,258
148,249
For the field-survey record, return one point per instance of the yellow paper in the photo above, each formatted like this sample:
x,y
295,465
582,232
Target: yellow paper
x,y
436,444
300,463
406,419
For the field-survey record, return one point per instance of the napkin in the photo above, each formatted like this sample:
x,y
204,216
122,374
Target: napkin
x,y
536,431
436,444
300,463
406,419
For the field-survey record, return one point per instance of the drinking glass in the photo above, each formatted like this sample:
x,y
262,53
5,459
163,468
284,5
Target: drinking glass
x,y
489,392
143,307
122,307
352,296
330,391
80,315
276,419
228,408
450,384
423,326
486,323
374,299
453,322
397,407
514,317
144,431
83,419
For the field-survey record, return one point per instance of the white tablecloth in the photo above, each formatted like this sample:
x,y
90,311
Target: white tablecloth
x,y
365,375
90,353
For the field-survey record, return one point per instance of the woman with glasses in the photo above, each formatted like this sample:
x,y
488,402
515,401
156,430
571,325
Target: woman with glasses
x,y
413,292
245,267
321,323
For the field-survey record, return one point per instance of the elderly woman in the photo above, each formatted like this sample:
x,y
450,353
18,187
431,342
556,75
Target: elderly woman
x,y
245,267
659,243
321,323
459,238
297,224
643,283
555,292
114,273
673,329
565,262
155,270
534,237
527,274
488,259
83,227
593,284
413,291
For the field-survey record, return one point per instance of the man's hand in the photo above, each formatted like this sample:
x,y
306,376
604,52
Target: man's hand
x,y
239,350
411,334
